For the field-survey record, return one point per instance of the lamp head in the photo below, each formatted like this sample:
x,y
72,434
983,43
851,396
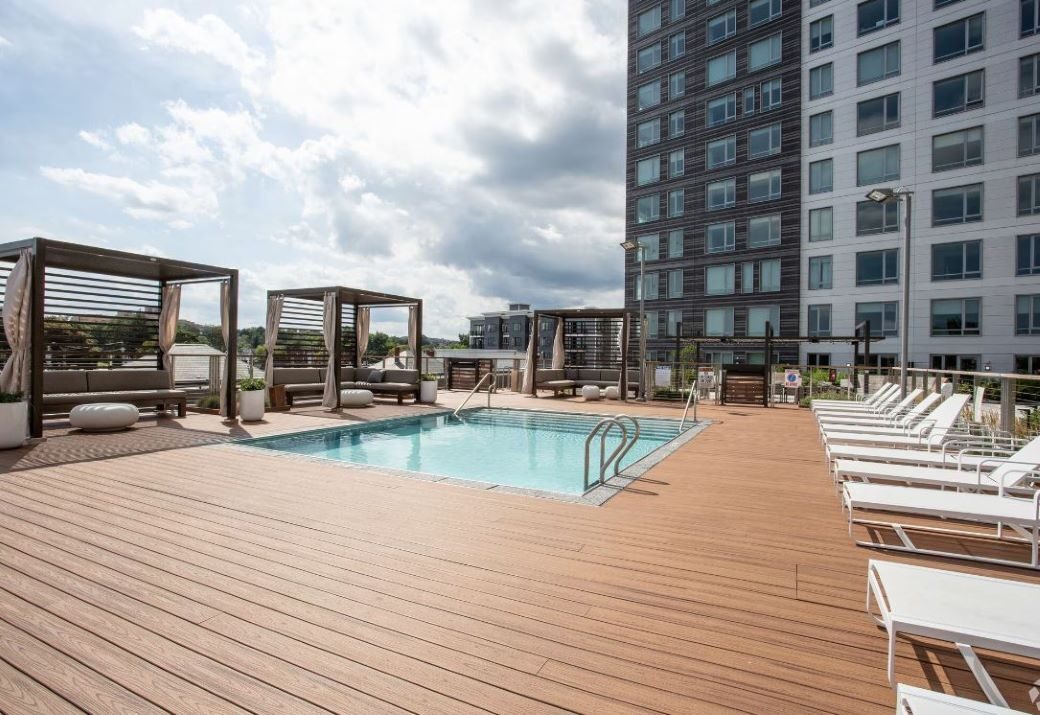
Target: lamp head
x,y
630,245
880,196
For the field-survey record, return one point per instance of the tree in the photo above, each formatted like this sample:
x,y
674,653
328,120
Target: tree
x,y
380,344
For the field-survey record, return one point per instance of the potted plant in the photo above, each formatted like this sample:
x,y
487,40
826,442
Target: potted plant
x,y
428,387
251,399
14,417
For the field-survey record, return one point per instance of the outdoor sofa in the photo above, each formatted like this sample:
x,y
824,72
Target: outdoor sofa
x,y
572,378
65,389
310,381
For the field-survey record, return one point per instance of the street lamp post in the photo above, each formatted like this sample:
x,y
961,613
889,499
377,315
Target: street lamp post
x,y
639,249
904,196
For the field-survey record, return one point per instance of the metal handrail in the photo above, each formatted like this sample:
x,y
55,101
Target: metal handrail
x,y
693,390
631,443
606,422
473,391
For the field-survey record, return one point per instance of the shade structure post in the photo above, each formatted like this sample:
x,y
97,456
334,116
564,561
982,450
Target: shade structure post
x,y
329,322
337,366
37,349
231,345
623,382
418,337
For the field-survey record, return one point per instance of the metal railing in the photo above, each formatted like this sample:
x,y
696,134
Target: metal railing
x,y
602,428
472,392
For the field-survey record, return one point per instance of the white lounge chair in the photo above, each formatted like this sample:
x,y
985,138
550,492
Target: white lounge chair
x,y
918,701
929,432
967,610
904,413
1003,511
956,453
868,400
888,395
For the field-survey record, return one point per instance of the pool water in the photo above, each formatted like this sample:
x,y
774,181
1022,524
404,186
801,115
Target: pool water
x,y
518,448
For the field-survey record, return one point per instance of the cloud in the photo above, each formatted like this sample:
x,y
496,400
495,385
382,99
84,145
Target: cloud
x,y
4,42
152,200
133,134
209,36
95,140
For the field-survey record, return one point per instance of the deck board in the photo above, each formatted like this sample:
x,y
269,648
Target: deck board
x,y
723,581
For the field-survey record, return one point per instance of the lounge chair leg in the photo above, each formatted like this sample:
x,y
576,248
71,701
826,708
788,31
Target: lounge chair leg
x,y
892,658
400,399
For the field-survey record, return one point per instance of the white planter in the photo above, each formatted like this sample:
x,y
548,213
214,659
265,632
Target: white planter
x,y
428,391
251,405
14,422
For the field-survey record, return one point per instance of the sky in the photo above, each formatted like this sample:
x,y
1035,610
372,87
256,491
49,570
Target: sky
x,y
468,152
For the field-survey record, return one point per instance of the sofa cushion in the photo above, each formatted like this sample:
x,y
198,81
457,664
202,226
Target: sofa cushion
x,y
87,398
611,375
64,381
346,373
122,380
322,372
394,387
299,388
585,374
545,375
557,384
409,377
296,375
570,373
368,374
599,383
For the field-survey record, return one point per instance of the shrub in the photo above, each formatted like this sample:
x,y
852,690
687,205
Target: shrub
x,y
251,384
429,377
10,396
209,402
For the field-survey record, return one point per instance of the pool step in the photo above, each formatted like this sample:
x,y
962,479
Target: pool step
x,y
574,424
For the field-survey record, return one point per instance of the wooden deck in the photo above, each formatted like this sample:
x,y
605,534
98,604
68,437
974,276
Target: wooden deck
x,y
203,578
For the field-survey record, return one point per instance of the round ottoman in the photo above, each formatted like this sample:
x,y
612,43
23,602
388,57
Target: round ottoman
x,y
103,416
612,393
355,398
590,392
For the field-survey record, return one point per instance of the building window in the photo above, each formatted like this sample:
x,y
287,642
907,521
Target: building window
x,y
721,110
1027,255
878,64
674,321
968,363
959,38
719,280
677,45
678,10
821,128
649,95
764,186
821,273
675,244
877,165
676,85
877,115
817,3
676,201
1030,17
722,152
821,224
821,34
770,92
721,194
1029,195
650,20
764,53
1029,76
958,204
677,124
821,81
652,284
676,163
675,283
821,176
652,324
1027,315
1029,135
762,11
959,260
764,141
722,68
648,170
956,150
957,316
749,101
769,275
877,267
943,3
718,322
875,14
764,231
648,133
958,94
819,321
720,237
872,218
648,208
1027,364
758,317
651,244
649,57
722,26
883,317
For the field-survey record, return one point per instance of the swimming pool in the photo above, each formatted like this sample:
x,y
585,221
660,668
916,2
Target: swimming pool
x,y
526,449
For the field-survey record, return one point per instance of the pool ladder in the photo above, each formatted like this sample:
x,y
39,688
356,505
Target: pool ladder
x,y
602,428
491,388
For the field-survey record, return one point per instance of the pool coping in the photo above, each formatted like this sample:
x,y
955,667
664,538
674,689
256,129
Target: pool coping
x,y
597,496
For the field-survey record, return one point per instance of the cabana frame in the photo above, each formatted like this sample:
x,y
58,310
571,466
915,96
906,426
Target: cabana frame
x,y
355,298
566,314
48,253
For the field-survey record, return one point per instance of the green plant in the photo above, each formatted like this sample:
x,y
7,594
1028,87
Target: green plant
x,y
804,402
251,384
429,377
10,396
209,402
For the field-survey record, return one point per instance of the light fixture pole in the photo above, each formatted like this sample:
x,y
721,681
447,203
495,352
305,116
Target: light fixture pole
x,y
905,197
639,249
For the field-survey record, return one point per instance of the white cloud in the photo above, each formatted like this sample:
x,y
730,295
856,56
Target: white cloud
x,y
95,140
4,42
209,36
133,134
151,200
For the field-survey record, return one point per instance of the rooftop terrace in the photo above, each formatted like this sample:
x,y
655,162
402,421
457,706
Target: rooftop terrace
x,y
163,569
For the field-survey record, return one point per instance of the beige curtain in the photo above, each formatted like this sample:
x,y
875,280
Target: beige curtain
x,y
328,331
557,358
16,314
274,317
225,320
532,363
413,339
621,350
364,316
168,315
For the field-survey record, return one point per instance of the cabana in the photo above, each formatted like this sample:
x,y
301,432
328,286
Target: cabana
x,y
75,308
585,339
328,328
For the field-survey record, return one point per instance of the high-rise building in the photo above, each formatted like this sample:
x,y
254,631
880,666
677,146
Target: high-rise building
x,y
755,130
